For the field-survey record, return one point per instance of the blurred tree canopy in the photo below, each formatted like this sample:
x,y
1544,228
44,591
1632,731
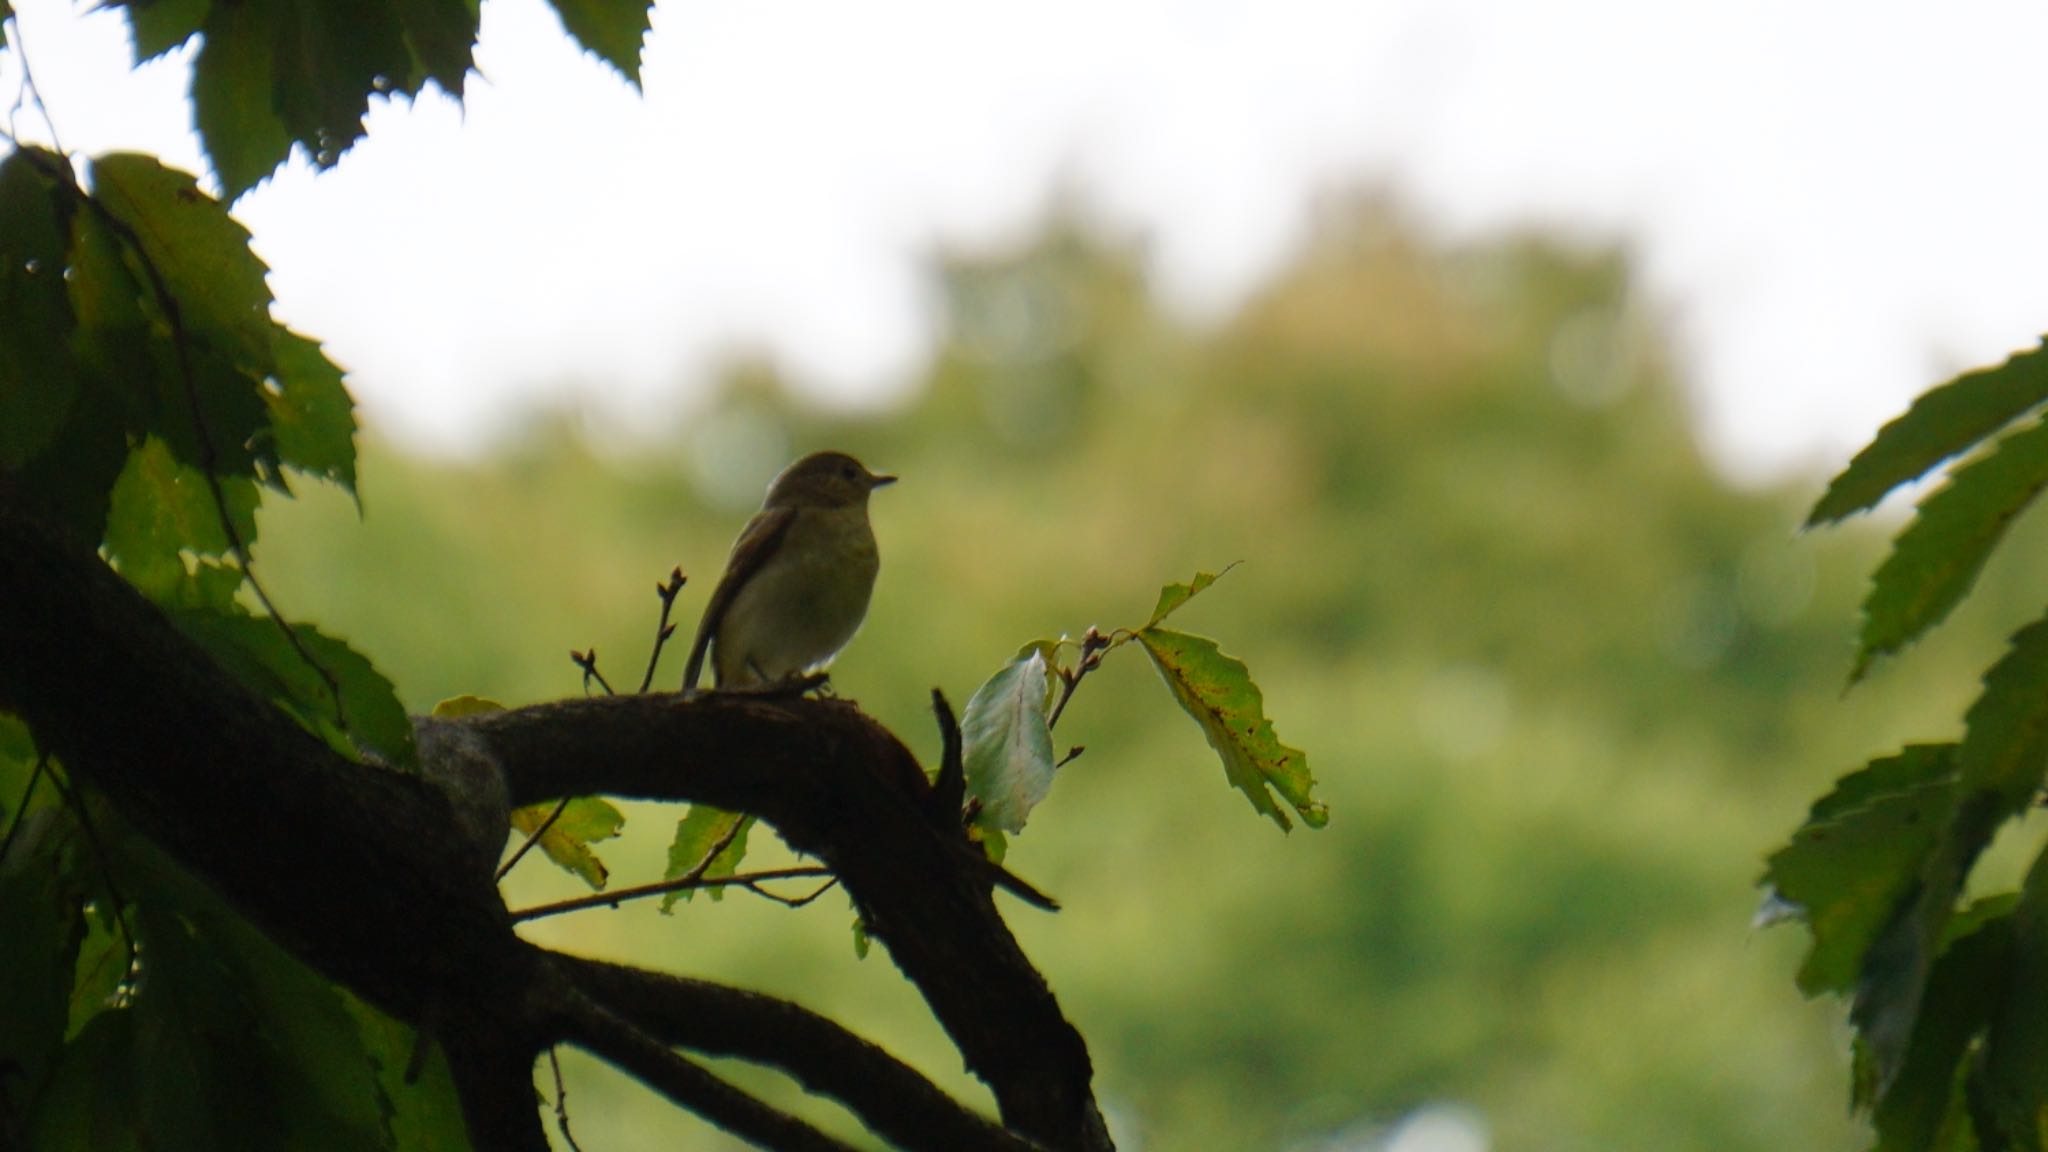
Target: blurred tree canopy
x,y
1563,681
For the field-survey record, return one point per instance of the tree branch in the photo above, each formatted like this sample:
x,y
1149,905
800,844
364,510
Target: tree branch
x,y
890,1096
353,867
840,787
604,1034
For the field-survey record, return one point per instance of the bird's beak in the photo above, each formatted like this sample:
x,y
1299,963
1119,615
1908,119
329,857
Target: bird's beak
x,y
880,480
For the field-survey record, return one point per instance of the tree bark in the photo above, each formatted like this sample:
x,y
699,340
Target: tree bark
x,y
353,867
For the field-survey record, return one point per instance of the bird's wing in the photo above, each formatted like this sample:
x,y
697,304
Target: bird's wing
x,y
757,542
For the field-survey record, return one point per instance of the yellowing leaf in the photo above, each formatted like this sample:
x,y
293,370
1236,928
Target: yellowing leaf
x,y
456,707
586,820
1217,690
1173,596
700,832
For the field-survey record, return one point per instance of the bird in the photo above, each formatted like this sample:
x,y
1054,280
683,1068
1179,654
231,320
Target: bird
x,y
796,586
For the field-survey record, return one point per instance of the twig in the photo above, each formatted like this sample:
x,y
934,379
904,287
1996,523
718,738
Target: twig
x,y
561,1101
1093,645
532,838
623,1045
29,93
588,662
791,901
99,851
949,791
1072,755
667,590
748,880
35,777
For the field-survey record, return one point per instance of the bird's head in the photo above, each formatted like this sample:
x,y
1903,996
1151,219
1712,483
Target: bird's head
x,y
825,480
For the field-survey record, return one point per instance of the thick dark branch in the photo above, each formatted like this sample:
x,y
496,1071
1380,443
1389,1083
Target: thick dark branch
x,y
838,786
294,834
888,1095
362,872
616,1041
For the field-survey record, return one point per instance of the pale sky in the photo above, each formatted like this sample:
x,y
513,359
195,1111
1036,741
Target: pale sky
x,y
1836,204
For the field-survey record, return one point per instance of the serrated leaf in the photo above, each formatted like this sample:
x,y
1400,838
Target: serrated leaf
x,y
1173,596
161,509
1925,1097
38,382
161,25
331,55
1913,766
2005,739
312,417
1851,865
1936,559
2013,1085
1218,691
200,251
1892,982
441,35
1006,745
613,29
1944,422
456,707
585,821
233,96
700,831
257,652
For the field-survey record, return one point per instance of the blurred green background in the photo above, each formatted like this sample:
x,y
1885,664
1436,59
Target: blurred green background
x,y
1562,686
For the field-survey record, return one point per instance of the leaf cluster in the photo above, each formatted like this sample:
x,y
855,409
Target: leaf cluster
x,y
1946,994
1008,724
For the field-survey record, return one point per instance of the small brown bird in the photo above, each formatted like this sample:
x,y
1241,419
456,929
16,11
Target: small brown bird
x,y
796,587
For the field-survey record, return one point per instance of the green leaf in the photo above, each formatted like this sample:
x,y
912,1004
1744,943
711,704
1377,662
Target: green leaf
x,y
1943,422
425,1115
700,831
2005,739
238,1044
257,652
1218,691
41,926
162,509
456,707
1924,1097
441,35
1860,855
1173,596
1007,746
233,96
331,55
312,418
93,1100
161,25
200,251
1892,983
2014,1083
613,29
1915,765
38,383
586,820
1936,559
